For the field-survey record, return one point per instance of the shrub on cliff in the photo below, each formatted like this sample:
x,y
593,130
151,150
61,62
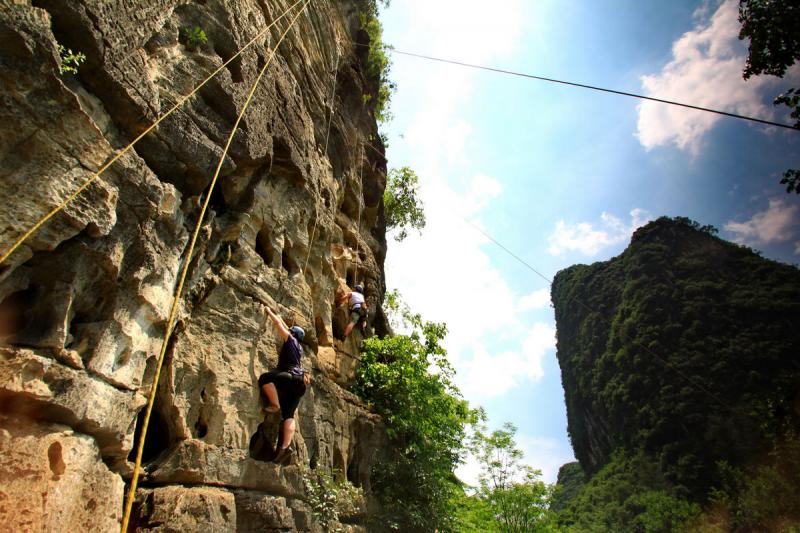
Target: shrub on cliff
x,y
425,418
379,64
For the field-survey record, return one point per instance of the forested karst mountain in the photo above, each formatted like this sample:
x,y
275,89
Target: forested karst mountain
x,y
684,347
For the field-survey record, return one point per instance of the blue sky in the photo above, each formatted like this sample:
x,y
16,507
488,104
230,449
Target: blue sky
x,y
563,175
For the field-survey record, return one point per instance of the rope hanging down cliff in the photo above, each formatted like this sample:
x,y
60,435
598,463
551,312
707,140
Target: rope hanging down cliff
x,y
331,104
125,150
358,224
178,291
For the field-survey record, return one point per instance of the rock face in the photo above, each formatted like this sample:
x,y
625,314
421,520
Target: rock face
x,y
683,347
84,302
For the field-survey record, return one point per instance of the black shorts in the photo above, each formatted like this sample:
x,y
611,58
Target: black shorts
x,y
290,389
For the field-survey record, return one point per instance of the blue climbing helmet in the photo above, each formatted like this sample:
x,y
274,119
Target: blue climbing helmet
x,y
297,332
359,288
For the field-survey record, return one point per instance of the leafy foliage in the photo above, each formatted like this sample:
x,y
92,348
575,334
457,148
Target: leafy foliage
x,y
683,348
379,65
401,202
570,480
518,499
70,61
759,496
330,496
425,418
791,178
192,37
628,494
473,514
773,28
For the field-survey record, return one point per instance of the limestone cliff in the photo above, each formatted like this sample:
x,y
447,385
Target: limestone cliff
x,y
684,347
84,303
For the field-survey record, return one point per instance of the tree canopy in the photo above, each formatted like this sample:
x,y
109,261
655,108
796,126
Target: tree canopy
x,y
401,202
425,419
772,28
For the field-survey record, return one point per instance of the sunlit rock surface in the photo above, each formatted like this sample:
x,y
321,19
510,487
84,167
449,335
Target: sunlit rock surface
x,y
84,302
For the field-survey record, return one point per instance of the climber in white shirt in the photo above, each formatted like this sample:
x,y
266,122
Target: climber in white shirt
x,y
358,308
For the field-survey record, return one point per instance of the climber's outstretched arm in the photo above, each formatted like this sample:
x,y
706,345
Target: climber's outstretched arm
x,y
279,324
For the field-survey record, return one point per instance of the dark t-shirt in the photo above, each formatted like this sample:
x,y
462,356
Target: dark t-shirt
x,y
289,358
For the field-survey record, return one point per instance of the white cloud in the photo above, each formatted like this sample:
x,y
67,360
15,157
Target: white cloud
x,y
705,70
536,300
541,453
482,190
797,248
509,368
589,239
450,27
547,455
445,274
775,224
540,341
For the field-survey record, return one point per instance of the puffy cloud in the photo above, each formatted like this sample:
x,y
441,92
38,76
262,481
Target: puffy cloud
x,y
509,368
482,190
541,453
705,70
450,26
547,455
589,239
536,300
774,224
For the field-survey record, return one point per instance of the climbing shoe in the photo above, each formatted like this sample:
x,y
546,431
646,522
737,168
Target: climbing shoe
x,y
270,409
284,456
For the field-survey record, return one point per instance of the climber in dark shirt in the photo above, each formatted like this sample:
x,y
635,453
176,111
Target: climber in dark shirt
x,y
285,386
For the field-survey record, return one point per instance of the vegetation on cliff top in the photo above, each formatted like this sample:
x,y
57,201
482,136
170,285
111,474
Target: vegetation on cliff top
x,y
379,65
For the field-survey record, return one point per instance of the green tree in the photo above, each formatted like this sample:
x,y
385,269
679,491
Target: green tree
x,y
519,500
628,494
401,202
773,29
473,514
408,380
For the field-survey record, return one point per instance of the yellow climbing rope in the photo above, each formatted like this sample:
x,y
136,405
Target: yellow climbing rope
x,y
358,224
122,152
187,261
327,135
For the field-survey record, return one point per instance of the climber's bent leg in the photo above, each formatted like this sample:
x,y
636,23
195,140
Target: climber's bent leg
x,y
269,383
288,432
355,316
271,393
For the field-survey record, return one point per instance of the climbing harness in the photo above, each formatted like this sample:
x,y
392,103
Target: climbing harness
x,y
122,152
187,261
